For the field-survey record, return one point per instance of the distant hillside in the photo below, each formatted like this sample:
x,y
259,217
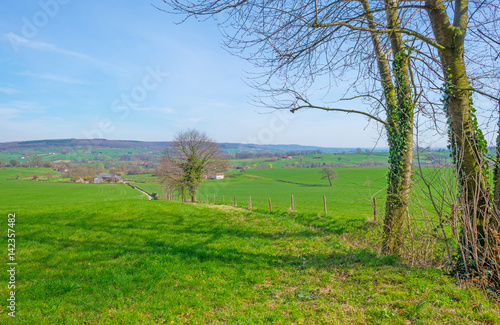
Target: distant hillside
x,y
93,143
159,145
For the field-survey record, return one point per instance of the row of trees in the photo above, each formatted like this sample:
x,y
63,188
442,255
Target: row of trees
x,y
113,168
412,61
254,155
36,161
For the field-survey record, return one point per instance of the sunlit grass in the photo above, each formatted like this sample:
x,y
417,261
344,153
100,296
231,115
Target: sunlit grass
x,y
116,258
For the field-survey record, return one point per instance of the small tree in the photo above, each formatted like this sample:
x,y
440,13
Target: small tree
x,y
13,162
49,176
191,156
36,161
328,173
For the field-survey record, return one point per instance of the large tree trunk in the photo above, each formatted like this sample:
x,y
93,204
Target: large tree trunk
x,y
399,107
479,219
399,110
467,142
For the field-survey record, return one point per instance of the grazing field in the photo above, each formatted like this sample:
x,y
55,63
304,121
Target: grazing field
x,y
349,200
78,154
14,191
360,159
343,159
113,257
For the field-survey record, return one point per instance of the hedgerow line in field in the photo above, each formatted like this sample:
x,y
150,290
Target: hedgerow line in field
x,y
140,190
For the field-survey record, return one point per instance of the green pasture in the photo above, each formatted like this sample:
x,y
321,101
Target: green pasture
x,y
142,178
348,200
37,193
76,153
103,254
338,159
112,154
344,159
25,173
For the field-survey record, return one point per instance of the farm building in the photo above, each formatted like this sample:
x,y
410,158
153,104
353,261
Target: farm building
x,y
218,176
106,178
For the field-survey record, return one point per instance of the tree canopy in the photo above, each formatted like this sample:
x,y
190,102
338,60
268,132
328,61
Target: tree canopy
x,y
191,157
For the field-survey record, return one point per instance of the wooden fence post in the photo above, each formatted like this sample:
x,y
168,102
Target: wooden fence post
x,y
374,209
207,198
292,203
270,206
214,198
249,203
324,203
223,200
235,201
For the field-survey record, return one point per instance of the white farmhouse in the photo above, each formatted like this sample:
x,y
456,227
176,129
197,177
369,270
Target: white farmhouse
x,y
218,176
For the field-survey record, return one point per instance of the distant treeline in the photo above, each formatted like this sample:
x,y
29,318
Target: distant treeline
x,y
253,155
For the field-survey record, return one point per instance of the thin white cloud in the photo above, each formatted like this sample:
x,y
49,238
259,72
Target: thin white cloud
x,y
9,113
7,90
52,77
41,46
167,110
54,118
221,105
15,108
187,122
17,41
28,129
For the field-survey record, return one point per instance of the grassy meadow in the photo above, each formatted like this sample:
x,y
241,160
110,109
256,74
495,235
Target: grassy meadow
x,y
344,159
349,201
104,254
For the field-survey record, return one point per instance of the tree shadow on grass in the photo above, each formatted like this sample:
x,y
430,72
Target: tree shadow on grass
x,y
197,240
331,224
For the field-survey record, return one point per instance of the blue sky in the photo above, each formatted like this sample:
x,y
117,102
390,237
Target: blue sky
x,y
125,70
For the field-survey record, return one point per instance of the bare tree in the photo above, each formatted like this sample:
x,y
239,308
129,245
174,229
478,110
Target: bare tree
x,y
191,156
328,173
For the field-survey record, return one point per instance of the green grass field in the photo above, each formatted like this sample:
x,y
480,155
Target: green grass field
x,y
345,159
349,200
365,159
103,254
